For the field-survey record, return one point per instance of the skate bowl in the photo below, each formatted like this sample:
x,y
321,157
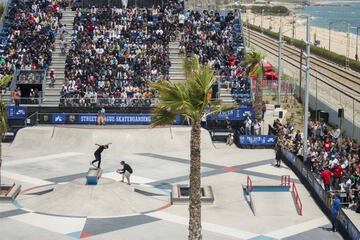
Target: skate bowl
x,y
80,139
108,198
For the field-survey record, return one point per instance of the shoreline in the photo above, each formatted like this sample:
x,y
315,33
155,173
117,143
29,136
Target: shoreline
x,y
338,39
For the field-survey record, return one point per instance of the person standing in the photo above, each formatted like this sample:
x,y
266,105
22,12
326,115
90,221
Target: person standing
x,y
335,211
248,124
278,154
326,177
16,95
126,171
98,152
52,78
124,4
101,116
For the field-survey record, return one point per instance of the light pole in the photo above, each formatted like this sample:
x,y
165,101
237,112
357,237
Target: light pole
x,y
357,43
262,15
293,26
278,101
307,81
330,23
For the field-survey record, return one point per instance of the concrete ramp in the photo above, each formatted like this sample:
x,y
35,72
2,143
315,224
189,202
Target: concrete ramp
x,y
124,140
274,204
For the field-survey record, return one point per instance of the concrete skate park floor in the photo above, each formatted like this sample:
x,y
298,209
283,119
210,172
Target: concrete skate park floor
x,y
51,163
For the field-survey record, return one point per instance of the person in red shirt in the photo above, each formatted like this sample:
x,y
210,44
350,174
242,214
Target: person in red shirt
x,y
326,177
232,59
327,144
337,173
52,77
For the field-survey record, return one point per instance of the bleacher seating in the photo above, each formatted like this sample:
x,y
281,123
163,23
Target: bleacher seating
x,y
216,39
115,53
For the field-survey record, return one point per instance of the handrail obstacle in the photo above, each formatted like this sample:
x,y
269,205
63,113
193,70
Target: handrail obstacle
x,y
249,184
285,180
12,186
285,186
297,199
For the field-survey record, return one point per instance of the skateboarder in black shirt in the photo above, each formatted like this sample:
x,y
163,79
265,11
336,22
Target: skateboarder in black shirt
x,y
98,152
126,171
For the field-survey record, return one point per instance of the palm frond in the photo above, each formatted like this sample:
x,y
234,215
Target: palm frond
x,y
188,99
5,80
162,116
253,61
3,118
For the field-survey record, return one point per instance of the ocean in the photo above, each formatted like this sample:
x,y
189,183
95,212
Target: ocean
x,y
340,13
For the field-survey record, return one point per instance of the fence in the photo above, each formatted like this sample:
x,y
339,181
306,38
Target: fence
x,y
323,94
323,199
118,3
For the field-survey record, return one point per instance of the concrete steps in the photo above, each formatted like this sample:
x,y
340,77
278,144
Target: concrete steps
x,y
177,74
225,95
52,94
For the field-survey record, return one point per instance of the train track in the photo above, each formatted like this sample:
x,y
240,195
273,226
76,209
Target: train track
x,y
344,81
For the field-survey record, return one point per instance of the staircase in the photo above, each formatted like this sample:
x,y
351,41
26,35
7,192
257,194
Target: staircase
x,y
225,95
177,73
52,94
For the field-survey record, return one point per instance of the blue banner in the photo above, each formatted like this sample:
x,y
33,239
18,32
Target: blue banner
x,y
58,118
233,115
143,119
16,113
258,140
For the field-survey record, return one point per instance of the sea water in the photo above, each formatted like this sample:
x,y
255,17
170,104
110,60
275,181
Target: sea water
x,y
340,13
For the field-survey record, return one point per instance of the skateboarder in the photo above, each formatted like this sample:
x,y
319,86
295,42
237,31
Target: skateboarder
x,y
98,152
126,171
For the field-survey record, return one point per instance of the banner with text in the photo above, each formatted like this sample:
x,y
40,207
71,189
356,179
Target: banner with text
x,y
257,140
143,119
233,115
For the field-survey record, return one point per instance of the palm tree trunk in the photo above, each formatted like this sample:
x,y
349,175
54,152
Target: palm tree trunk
x,y
195,184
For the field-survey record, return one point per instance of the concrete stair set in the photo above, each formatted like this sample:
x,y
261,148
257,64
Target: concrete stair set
x,y
52,94
177,73
225,95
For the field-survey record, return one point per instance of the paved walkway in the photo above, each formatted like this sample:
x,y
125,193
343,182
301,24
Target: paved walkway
x,y
55,203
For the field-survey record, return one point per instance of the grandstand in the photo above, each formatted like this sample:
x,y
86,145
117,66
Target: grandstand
x,y
68,61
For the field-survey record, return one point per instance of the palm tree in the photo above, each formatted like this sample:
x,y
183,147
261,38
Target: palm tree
x,y
254,63
190,65
4,82
189,99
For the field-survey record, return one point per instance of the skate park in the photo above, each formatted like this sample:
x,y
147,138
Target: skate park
x,y
51,164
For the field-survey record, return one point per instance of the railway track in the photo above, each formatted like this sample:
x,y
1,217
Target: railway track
x,y
346,82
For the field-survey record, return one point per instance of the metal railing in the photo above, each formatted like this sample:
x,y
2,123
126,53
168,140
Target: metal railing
x,y
108,102
316,188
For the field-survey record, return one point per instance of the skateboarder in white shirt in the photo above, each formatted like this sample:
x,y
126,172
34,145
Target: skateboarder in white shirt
x,y
126,171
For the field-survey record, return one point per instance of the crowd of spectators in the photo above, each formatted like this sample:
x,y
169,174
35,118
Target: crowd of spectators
x,y
216,39
116,52
331,157
29,33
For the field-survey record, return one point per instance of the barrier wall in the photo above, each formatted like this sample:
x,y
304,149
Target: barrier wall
x,y
345,226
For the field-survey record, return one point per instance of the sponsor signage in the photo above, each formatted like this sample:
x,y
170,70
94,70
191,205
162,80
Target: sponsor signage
x,y
257,140
116,119
16,112
233,115
58,118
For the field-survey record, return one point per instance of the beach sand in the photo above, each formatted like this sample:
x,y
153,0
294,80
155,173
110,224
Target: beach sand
x,y
338,39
